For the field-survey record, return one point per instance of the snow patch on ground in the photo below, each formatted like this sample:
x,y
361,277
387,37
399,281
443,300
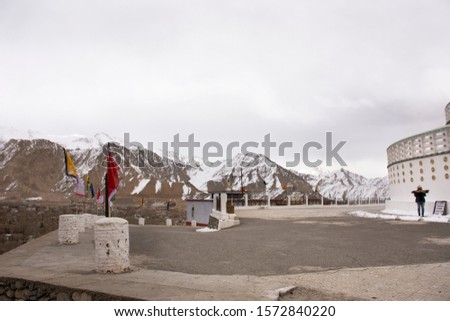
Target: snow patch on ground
x,y
206,230
140,186
38,198
157,187
411,218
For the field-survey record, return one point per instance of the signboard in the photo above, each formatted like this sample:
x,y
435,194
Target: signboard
x,y
439,207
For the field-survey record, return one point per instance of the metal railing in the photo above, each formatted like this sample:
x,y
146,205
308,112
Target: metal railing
x,y
434,142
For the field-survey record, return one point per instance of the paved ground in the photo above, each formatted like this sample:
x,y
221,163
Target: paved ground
x,y
323,252
261,247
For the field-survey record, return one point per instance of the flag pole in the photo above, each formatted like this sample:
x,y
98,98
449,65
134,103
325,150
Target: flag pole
x,y
106,196
106,186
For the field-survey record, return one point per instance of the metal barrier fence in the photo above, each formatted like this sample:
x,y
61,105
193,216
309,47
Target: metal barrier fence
x,y
309,202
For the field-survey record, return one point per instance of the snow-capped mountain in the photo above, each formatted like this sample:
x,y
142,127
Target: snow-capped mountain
x,y
255,173
31,167
35,168
343,184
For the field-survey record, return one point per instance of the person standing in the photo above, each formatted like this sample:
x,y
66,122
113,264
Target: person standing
x,y
420,194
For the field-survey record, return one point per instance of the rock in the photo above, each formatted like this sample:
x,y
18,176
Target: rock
x,y
76,296
10,293
86,297
25,294
52,296
18,294
41,292
19,285
62,296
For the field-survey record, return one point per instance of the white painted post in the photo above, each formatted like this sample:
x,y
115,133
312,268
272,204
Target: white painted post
x,y
268,200
321,200
223,203
307,200
289,200
246,200
369,200
68,229
141,221
168,222
194,223
336,201
112,247
214,202
359,200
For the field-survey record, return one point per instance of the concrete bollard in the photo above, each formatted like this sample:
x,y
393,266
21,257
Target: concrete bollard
x,y
168,222
112,247
141,221
193,223
81,224
68,229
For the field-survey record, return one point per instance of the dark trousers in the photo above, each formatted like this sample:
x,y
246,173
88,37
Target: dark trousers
x,y
421,208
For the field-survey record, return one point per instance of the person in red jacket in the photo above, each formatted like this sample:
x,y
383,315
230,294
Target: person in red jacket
x,y
420,200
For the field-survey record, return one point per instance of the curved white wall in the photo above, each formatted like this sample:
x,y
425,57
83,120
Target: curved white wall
x,y
424,160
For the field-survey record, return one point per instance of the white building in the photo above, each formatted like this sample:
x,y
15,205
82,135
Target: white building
x,y
422,159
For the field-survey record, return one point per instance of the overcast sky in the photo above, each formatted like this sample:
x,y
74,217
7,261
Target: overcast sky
x,y
371,72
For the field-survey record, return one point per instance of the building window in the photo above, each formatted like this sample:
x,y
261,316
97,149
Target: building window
x,y
412,180
446,167
446,176
433,178
433,169
432,161
421,178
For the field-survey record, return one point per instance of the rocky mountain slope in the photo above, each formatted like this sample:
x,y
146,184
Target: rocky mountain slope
x,y
34,168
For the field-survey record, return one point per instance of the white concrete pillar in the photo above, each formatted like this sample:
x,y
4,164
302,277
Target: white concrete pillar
x,y
168,222
289,200
141,221
359,200
68,229
112,246
214,208
223,202
268,200
193,223
321,200
81,223
307,200
246,200
336,201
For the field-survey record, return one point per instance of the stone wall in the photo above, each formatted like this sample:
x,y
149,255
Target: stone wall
x,y
23,290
